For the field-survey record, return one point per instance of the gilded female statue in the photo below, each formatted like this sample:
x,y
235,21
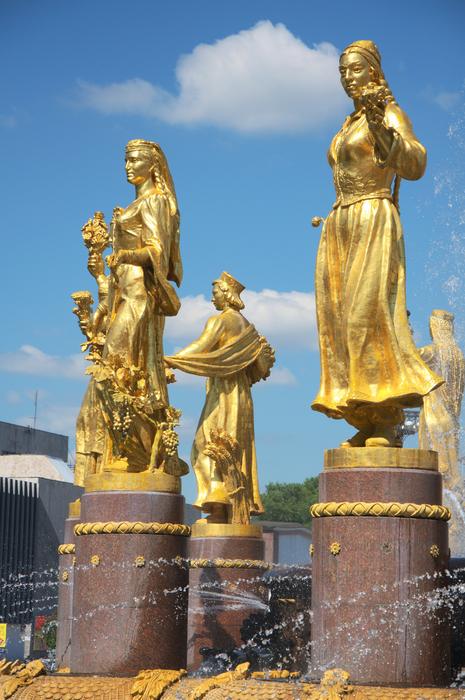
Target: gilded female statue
x,y
370,367
128,371
233,356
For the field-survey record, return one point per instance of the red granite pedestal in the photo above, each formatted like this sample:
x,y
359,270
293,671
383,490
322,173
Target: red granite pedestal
x,y
376,601
65,589
225,586
130,583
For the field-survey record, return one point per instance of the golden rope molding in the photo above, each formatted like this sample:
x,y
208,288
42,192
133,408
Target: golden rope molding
x,y
380,510
132,528
228,564
66,548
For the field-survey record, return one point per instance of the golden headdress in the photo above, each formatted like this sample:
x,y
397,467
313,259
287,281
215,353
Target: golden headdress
x,y
232,283
368,50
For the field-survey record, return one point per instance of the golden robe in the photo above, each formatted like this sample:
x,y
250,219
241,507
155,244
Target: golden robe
x,y
366,348
139,298
232,362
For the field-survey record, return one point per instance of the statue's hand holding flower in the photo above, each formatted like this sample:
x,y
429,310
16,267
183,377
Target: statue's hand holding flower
x,y
373,99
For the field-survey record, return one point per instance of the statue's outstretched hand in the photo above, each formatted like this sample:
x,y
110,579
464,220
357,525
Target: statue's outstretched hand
x,y
374,103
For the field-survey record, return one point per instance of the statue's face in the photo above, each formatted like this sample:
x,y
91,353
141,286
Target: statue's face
x,y
355,73
218,297
138,167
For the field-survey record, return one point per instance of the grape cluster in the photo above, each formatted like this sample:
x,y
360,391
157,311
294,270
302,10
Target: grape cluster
x,y
122,420
170,441
117,420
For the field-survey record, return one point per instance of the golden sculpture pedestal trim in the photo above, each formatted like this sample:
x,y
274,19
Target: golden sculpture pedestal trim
x,y
229,564
380,458
133,481
379,510
131,528
201,528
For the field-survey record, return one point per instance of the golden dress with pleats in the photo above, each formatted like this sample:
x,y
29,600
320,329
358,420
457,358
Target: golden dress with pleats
x,y
139,298
367,351
233,357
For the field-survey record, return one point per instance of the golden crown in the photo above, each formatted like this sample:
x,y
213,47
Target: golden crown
x,y
232,283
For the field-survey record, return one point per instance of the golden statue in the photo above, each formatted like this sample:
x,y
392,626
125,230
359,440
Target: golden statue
x,y
440,416
126,423
233,356
370,367
90,430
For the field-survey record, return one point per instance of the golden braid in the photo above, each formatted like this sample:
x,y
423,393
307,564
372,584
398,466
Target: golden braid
x,y
390,99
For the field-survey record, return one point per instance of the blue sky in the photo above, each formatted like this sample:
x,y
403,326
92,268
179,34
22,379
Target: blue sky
x,y
244,98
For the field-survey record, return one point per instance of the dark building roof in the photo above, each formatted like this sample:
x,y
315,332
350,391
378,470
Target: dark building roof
x,y
21,440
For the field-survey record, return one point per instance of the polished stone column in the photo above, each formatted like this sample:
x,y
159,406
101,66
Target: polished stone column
x,y
130,582
225,585
377,609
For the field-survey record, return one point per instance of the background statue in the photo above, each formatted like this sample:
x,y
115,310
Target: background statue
x,y
90,426
127,394
233,356
440,417
370,367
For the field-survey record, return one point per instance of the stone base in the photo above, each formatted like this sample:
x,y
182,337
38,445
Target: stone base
x,y
65,589
130,583
225,586
375,602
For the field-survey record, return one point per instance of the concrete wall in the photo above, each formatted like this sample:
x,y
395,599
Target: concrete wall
x,y
51,513
19,440
286,543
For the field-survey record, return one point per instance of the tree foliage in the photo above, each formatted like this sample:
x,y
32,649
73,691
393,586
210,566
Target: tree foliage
x,y
290,502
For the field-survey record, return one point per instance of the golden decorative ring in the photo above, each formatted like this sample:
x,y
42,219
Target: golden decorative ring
x,y
128,528
228,564
380,510
66,548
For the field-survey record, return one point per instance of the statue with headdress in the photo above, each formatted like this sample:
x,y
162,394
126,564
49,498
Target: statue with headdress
x,y
370,367
440,416
233,356
126,423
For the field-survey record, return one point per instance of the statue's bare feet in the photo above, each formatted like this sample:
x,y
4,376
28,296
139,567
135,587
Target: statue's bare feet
x,y
357,440
383,436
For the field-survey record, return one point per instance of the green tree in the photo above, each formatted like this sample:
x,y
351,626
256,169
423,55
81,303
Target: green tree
x,y
290,502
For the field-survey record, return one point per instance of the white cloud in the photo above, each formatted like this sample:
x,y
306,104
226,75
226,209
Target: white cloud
x,y
30,360
280,376
447,100
190,380
261,79
55,418
287,319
